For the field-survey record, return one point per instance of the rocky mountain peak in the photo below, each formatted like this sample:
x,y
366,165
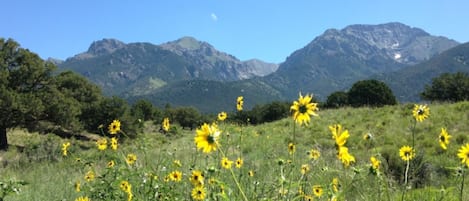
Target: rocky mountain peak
x,y
105,46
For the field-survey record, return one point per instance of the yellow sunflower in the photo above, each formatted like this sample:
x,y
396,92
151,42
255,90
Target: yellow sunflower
x,y
291,148
226,163
251,173
375,163
345,157
77,186
335,185
111,164
114,127
303,108
114,143
444,138
175,176
125,186
239,162
131,158
304,168
308,198
65,148
197,178
165,124
85,198
463,154
222,116
338,135
239,103
198,193
102,144
89,176
407,153
207,137
420,112
317,190
314,154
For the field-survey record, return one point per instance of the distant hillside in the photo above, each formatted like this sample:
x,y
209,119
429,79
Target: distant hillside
x,y
408,83
138,68
338,58
212,96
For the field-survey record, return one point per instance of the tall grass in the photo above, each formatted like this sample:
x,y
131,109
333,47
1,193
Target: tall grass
x,y
264,150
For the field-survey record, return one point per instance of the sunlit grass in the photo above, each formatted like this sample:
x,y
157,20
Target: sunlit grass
x,y
264,151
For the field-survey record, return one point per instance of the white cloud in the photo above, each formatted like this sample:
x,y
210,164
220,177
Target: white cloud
x,y
214,17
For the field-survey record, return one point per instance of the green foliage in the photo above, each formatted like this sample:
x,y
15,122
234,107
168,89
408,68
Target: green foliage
x,y
144,110
187,117
9,187
337,99
448,87
370,93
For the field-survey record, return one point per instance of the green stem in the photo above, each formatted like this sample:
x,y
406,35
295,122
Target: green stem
x,y
462,184
413,134
235,180
405,180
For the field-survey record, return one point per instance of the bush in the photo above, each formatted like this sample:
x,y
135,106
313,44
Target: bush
x,y
337,99
371,93
448,87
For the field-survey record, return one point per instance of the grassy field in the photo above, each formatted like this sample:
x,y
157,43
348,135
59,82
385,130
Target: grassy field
x,y
271,169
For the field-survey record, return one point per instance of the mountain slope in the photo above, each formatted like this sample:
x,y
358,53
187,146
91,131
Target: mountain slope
x,y
338,58
138,68
212,96
408,83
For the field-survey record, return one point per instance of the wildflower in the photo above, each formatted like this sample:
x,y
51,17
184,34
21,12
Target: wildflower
x,y
239,163
207,137
251,173
131,158
197,178
303,109
317,190
177,163
82,199
102,144
444,138
114,127
308,198
165,125
226,163
375,163
335,185
314,154
338,135
114,143
125,186
420,112
344,156
65,147
367,136
463,154
175,176
198,193
222,116
407,153
77,186
304,168
111,164
89,176
239,103
291,148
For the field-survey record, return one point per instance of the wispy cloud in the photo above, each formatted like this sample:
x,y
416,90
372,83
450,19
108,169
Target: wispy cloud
x,y
214,17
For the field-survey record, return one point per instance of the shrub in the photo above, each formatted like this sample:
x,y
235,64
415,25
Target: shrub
x,y
448,87
371,93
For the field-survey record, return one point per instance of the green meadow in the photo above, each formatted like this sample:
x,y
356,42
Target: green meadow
x,y
35,168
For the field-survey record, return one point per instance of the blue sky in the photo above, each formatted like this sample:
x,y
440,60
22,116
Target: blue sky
x,y
269,30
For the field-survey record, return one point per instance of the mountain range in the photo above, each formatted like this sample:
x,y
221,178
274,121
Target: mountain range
x,y
191,72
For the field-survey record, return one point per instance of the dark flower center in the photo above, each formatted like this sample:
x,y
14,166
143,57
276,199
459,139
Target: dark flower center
x,y
420,111
303,109
210,139
442,138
